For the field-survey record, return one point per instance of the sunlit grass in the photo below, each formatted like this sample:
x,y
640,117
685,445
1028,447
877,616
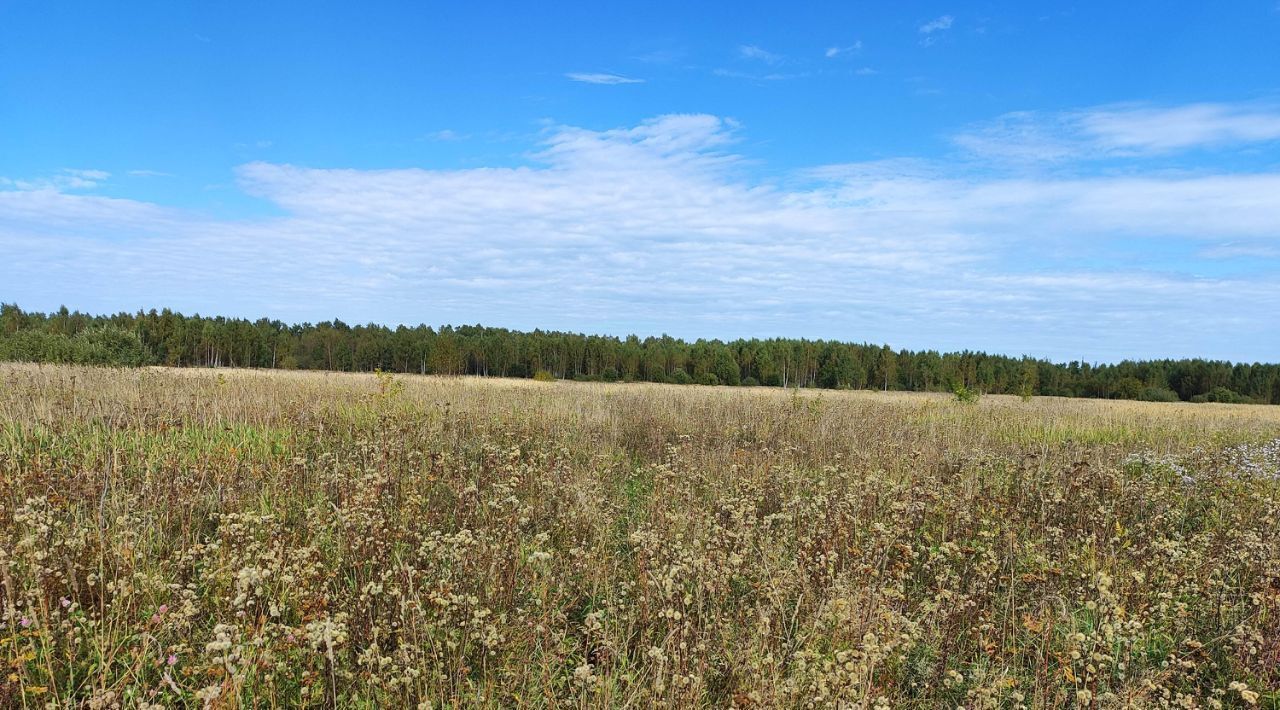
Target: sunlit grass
x,y
224,538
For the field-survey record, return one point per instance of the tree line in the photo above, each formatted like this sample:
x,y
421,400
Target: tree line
x,y
168,338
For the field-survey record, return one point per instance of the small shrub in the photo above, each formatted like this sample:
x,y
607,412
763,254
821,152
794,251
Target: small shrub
x,y
680,377
966,395
1221,395
388,386
1158,394
543,376
750,382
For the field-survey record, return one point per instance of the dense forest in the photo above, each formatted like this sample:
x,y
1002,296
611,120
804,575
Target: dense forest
x,y
168,338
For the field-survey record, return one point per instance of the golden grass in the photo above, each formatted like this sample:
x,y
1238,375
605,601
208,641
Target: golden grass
x,y
226,538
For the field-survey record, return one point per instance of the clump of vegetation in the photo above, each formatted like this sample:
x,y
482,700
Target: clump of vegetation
x,y
1158,394
389,387
966,395
543,376
100,345
1221,395
179,538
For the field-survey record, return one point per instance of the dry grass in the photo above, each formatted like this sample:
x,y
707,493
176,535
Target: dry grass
x,y
189,537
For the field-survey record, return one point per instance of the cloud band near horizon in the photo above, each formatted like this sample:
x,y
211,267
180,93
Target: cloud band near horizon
x,y
1016,245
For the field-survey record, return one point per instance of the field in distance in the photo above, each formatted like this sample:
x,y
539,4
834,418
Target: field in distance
x,y
225,538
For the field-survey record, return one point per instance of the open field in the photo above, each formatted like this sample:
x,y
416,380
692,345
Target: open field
x,y
225,538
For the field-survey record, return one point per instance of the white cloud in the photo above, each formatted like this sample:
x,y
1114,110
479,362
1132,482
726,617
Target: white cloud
x,y
446,135
602,78
833,52
258,145
1196,207
1241,251
661,226
937,25
753,76
751,51
88,174
929,29
148,173
1130,130
65,179
1156,130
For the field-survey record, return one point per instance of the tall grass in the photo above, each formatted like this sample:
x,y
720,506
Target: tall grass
x,y
192,537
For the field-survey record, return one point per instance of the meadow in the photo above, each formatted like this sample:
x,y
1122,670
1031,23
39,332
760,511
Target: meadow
x,y
228,538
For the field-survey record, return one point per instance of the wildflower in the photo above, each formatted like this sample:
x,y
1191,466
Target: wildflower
x,y
1249,696
64,602
25,623
172,660
584,674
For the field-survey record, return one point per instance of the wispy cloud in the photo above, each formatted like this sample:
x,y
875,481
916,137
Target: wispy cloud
x,y
1122,131
754,52
148,173
602,78
664,220
936,25
756,76
833,52
446,135
261,144
932,27
1154,130
1241,251
65,179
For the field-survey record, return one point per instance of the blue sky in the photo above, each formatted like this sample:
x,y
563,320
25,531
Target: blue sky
x,y
1076,181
